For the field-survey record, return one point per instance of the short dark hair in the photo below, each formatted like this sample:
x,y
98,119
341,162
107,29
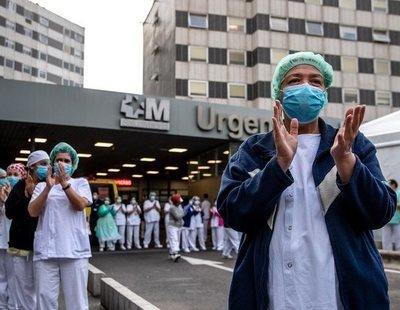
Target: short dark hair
x,y
393,182
205,195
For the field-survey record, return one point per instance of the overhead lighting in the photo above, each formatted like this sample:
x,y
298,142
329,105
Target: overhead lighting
x,y
171,168
83,155
207,174
137,175
103,144
39,140
214,161
114,170
226,152
194,172
21,159
203,167
177,150
26,152
152,172
101,174
193,162
129,165
149,159
185,178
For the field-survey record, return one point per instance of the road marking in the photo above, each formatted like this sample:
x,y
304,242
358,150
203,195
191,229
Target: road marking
x,y
392,270
211,263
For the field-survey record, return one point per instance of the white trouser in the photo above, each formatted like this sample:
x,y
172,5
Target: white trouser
x,y
155,228
390,235
192,239
110,244
173,238
7,281
205,228
231,241
73,275
217,236
200,237
121,231
132,230
185,238
24,282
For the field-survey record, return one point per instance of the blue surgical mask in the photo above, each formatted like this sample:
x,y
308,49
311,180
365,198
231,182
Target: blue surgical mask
x,y
68,168
152,198
303,102
196,202
13,180
3,181
41,172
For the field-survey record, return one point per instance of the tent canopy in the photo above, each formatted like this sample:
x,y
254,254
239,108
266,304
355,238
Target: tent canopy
x,y
387,124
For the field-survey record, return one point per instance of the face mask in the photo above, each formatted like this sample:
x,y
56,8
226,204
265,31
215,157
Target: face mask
x,y
303,102
196,202
41,172
119,200
3,182
67,167
95,197
152,198
106,202
133,201
13,180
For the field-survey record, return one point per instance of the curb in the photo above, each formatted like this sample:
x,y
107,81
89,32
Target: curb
x,y
114,295
391,258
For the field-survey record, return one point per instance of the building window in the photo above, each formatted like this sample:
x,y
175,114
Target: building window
x,y
44,39
382,66
236,24
10,25
237,91
198,89
28,32
26,69
349,64
27,50
10,44
277,55
44,21
78,37
198,53
43,56
350,95
28,14
383,98
279,24
314,28
198,21
78,70
348,33
43,74
379,6
237,58
380,35
313,1
66,65
10,63
66,32
347,4
77,53
11,5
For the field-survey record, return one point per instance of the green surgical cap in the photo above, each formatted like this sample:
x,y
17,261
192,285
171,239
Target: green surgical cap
x,y
2,171
63,147
288,62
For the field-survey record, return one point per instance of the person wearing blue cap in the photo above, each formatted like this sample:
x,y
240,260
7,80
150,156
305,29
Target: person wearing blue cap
x,y
306,197
61,244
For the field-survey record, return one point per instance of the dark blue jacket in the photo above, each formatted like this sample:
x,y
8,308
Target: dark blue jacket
x,y
250,190
189,212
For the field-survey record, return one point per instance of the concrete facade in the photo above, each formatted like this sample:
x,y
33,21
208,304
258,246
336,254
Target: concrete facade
x,y
226,51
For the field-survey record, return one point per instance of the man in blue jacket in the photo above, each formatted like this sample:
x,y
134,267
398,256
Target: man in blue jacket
x,y
306,196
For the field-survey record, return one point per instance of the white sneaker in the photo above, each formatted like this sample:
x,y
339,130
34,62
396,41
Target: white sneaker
x,y
101,249
227,256
145,246
138,247
195,249
129,248
176,257
158,246
186,250
123,248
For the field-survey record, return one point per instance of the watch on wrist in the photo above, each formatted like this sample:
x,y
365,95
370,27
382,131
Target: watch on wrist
x,y
66,187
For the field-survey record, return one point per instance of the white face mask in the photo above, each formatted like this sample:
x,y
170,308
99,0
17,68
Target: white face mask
x,y
133,201
152,198
119,200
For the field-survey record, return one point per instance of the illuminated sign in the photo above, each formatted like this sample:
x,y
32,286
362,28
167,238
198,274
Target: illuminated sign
x,y
146,113
123,182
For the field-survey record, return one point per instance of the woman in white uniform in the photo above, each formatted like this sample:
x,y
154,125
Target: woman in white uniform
x,y
61,244
133,212
120,220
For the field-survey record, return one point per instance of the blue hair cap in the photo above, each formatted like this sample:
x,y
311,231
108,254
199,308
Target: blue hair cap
x,y
63,147
288,62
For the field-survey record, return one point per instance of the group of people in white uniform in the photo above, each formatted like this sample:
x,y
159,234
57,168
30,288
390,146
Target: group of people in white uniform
x,y
44,240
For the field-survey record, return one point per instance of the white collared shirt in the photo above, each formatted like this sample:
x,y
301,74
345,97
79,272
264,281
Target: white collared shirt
x,y
153,215
302,272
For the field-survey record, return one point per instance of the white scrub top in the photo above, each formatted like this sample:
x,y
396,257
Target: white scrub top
x,y
153,215
120,217
302,272
61,231
134,218
5,224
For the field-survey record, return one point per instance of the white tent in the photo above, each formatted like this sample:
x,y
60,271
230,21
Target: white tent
x,y
384,132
